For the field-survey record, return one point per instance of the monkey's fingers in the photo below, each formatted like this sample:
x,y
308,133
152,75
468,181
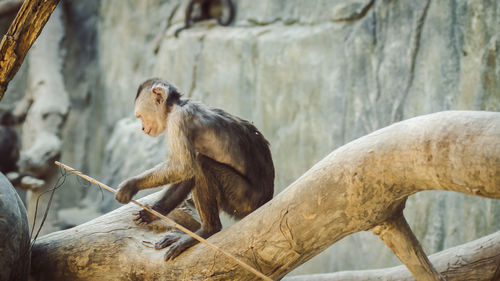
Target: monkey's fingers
x,y
138,219
144,217
126,192
123,197
178,247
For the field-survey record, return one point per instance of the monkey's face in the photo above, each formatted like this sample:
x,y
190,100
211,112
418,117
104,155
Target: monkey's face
x,y
151,108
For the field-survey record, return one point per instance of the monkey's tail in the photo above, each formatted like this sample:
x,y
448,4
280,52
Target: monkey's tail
x,y
176,34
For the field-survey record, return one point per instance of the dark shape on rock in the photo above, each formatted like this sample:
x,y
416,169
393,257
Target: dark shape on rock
x,y
9,143
14,235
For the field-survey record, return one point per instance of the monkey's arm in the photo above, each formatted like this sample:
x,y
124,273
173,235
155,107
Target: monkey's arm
x,y
187,18
164,173
179,167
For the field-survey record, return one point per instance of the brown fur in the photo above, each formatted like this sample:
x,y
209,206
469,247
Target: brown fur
x,y
208,9
222,158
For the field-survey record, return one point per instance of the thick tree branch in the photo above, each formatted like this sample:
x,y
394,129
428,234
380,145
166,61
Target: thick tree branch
x,y
358,187
473,261
22,32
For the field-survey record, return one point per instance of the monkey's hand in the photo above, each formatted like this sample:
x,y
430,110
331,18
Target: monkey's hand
x,y
126,190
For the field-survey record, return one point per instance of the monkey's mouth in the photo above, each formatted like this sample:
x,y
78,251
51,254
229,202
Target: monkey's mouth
x,y
152,132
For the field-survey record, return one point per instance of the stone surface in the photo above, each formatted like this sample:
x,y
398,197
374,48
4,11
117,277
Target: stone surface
x,y
14,234
45,105
312,75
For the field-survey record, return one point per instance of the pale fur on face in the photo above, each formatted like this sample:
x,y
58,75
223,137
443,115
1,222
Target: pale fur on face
x,y
150,107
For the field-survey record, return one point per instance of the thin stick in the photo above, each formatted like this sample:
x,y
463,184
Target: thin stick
x,y
170,221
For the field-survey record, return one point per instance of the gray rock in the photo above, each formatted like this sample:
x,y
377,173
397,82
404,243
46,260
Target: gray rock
x,y
15,254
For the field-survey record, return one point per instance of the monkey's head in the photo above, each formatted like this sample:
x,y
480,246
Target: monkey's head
x,y
155,99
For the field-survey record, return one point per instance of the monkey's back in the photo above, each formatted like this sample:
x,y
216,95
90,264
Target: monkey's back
x,y
233,141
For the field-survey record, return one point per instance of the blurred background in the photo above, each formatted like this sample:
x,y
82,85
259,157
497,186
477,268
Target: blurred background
x,y
311,75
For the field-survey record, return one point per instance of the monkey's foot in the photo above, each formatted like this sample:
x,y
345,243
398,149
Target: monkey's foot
x,y
183,243
144,217
168,240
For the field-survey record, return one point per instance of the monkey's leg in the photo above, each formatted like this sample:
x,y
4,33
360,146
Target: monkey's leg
x,y
187,18
173,196
238,197
205,195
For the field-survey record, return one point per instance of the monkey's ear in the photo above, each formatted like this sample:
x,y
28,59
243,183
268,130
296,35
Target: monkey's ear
x,y
159,94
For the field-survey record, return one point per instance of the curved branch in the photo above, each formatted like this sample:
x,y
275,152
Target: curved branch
x,y
357,187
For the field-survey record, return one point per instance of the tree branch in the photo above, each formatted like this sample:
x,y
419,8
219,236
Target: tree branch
x,y
473,261
22,32
358,187
397,235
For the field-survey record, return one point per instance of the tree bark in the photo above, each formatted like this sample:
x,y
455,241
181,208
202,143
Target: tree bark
x,y
397,235
474,261
22,32
360,186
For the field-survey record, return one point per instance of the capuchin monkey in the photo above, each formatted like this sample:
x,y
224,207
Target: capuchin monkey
x,y
224,160
208,9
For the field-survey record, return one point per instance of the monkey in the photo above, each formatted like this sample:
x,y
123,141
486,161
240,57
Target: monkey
x,y
208,9
223,159
9,143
